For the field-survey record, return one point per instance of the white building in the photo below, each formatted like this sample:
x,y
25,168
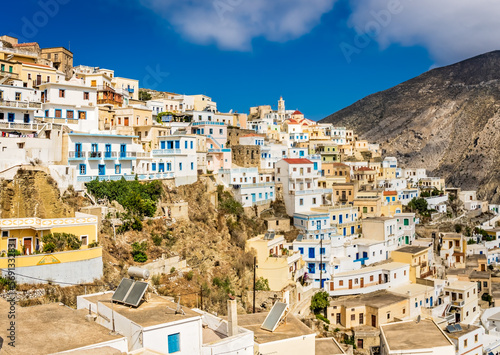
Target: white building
x,y
71,103
101,156
176,158
300,185
248,186
18,104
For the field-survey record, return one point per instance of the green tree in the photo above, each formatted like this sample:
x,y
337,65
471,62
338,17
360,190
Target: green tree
x,y
419,204
262,284
319,301
139,252
144,95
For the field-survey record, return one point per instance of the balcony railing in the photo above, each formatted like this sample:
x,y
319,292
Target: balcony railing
x,y
128,155
20,104
110,155
77,155
166,151
95,155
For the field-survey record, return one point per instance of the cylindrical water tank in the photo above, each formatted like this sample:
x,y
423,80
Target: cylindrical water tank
x,y
135,271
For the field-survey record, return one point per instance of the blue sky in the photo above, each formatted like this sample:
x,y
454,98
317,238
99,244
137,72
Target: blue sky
x,y
245,53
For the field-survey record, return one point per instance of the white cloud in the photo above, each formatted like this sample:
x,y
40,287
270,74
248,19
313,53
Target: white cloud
x,y
232,24
451,30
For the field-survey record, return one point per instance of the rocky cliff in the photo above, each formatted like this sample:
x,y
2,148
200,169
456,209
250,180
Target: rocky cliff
x,y
446,120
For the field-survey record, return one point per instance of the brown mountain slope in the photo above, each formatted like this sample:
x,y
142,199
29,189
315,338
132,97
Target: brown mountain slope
x,y
446,120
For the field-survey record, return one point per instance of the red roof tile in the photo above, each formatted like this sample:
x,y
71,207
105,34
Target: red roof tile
x,y
364,168
252,135
390,193
38,65
297,112
298,161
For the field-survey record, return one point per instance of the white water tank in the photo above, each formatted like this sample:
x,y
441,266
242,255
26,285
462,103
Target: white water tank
x,y
137,272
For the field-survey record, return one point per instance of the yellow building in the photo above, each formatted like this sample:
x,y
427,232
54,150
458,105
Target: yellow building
x,y
368,203
32,265
391,204
418,259
276,263
373,309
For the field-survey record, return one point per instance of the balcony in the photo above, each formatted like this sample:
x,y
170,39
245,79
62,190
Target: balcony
x,y
222,150
457,303
110,155
20,104
167,152
128,155
311,192
94,155
76,155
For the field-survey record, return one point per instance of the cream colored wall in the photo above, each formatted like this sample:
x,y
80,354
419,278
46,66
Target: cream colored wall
x,y
303,345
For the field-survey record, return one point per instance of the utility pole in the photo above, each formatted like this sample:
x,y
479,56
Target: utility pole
x,y
254,266
201,295
321,263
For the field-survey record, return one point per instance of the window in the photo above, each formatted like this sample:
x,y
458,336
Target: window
x,y
475,338
18,96
5,234
84,239
86,95
465,343
371,277
82,115
12,243
361,318
70,114
353,317
389,315
58,113
46,113
180,166
174,343
62,93
322,251
83,169
301,202
118,169
153,166
341,283
314,200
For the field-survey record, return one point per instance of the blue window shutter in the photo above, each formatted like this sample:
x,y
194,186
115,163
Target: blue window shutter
x,y
311,252
173,343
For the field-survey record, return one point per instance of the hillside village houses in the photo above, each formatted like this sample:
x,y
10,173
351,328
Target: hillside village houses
x,y
349,209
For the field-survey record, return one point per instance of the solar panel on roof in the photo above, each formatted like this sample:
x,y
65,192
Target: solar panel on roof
x,y
273,318
458,327
450,329
122,290
135,295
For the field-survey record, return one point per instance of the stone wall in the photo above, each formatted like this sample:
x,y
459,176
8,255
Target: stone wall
x,y
164,265
247,156
234,134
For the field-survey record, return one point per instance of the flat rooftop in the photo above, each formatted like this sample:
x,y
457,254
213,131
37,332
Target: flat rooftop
x,y
292,328
466,328
413,290
377,299
409,335
460,285
157,310
51,328
411,249
368,269
328,346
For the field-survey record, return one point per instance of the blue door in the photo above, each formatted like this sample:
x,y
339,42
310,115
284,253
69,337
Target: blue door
x,y
253,198
318,224
431,301
340,219
11,117
161,167
301,153
102,169
108,151
123,150
78,150
311,253
352,230
312,268
266,195
323,283
162,145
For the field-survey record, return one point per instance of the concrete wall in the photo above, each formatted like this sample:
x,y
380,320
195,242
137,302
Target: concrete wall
x,y
163,266
84,271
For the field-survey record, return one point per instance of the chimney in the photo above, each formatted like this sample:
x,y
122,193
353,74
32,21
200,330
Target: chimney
x,y
232,318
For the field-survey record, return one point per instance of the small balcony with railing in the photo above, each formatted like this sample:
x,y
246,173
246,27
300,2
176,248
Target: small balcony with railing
x,y
78,155
110,155
20,104
127,155
95,155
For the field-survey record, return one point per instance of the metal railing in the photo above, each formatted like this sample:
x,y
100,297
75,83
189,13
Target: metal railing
x,y
20,104
77,155
95,155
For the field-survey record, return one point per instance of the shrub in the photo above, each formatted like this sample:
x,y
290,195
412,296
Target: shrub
x,y
156,239
319,301
139,252
13,252
324,319
262,284
172,270
94,244
189,275
60,242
